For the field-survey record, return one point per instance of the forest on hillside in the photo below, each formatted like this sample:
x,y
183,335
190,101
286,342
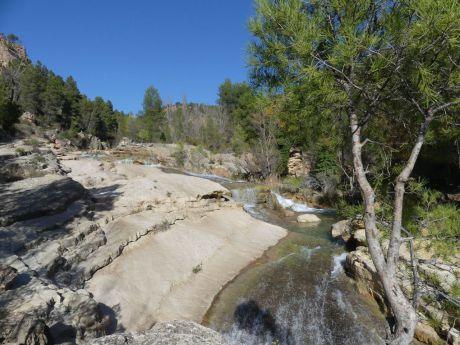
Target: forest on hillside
x,y
289,101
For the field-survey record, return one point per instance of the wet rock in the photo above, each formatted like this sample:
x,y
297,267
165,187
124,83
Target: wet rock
x,y
166,333
308,218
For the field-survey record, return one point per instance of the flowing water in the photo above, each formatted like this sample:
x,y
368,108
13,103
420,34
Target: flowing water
x,y
298,292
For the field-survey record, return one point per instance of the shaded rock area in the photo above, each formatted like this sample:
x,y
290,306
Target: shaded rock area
x,y
439,275
38,196
166,333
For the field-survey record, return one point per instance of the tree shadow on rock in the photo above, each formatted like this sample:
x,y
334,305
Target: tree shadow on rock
x,y
249,317
104,197
109,316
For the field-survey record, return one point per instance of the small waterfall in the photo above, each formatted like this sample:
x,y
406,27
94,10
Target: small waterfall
x,y
294,206
247,196
338,261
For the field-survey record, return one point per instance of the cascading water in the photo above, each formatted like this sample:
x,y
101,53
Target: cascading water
x,y
298,293
248,197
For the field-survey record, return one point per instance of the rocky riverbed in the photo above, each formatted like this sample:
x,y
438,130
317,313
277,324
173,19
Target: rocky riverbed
x,y
90,245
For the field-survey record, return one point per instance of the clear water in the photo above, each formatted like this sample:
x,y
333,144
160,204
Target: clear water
x,y
297,293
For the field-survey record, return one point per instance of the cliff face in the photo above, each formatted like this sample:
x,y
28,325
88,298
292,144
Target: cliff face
x,y
10,51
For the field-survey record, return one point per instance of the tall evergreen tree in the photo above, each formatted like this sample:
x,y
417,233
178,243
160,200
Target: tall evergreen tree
x,y
53,99
387,64
154,118
33,84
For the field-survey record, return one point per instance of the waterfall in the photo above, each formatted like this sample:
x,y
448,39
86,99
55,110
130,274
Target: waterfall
x,y
247,196
296,207
338,261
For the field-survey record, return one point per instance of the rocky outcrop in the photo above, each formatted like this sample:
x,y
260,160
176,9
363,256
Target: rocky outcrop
x,y
351,232
35,197
439,278
187,157
297,164
10,51
166,333
23,161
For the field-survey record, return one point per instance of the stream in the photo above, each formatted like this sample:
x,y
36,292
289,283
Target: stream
x,y
297,293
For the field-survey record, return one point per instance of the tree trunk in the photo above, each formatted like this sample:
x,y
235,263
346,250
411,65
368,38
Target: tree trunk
x,y
403,312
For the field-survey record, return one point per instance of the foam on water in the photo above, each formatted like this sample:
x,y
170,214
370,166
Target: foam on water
x,y
309,251
338,261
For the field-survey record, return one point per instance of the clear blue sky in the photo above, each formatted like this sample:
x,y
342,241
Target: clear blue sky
x,y
115,48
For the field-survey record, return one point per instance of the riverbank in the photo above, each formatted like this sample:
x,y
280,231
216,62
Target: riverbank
x,y
115,246
439,278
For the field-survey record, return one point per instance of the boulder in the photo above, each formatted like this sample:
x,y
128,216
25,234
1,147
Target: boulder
x,y
360,237
426,334
28,117
308,218
95,143
166,333
341,230
124,142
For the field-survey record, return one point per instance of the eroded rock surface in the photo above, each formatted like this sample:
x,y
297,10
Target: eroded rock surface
x,y
83,255
166,333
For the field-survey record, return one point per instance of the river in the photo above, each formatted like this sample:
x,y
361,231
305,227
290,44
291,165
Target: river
x,y
297,293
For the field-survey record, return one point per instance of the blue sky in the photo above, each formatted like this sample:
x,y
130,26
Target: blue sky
x,y
115,48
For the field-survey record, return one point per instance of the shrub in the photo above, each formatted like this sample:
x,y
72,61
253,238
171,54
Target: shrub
x,y
180,155
32,142
20,151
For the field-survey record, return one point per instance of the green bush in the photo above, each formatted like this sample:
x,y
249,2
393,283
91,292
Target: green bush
x,y
293,181
180,155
